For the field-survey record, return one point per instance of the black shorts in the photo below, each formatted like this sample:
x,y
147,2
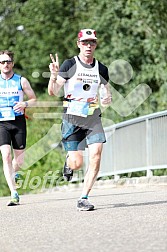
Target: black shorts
x,y
13,132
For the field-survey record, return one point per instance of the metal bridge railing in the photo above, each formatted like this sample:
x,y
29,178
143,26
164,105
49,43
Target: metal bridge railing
x,y
135,145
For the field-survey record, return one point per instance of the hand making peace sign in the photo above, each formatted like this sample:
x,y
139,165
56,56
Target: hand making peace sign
x,y
54,66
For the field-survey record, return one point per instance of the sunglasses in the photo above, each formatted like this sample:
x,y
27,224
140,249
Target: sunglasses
x,y
6,61
88,42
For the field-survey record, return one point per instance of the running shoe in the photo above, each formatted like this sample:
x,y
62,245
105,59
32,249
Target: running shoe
x,y
14,200
84,205
67,171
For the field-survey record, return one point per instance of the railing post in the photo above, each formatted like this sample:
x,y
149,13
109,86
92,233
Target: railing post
x,y
149,173
148,148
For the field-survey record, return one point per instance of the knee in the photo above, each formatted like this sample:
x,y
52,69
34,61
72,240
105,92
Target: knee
x,y
7,158
17,163
75,163
95,157
94,161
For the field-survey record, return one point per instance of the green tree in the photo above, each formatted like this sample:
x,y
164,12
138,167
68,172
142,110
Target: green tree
x,y
34,29
132,30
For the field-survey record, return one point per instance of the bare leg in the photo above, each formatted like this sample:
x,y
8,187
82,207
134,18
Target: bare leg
x,y
75,160
18,159
95,151
7,166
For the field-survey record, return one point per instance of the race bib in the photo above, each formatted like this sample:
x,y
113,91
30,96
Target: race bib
x,y
78,108
7,114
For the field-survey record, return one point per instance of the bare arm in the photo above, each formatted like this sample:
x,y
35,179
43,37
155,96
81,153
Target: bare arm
x,y
107,100
55,81
28,91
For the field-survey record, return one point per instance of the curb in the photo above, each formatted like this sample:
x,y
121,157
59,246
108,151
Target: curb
x,y
122,182
154,180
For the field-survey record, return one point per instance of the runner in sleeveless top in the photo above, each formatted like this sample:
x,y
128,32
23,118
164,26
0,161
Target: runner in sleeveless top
x,y
12,120
81,77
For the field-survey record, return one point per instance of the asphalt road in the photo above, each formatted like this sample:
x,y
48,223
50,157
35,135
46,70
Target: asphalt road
x,y
126,219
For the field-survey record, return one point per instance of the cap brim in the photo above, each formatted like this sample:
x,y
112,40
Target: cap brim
x,y
87,38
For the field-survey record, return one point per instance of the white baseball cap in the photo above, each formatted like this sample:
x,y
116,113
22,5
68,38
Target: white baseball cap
x,y
86,34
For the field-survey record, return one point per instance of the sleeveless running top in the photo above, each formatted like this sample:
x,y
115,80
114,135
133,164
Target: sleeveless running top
x,y
83,85
10,92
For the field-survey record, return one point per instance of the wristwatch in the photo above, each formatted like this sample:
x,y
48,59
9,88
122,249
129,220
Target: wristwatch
x,y
26,103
